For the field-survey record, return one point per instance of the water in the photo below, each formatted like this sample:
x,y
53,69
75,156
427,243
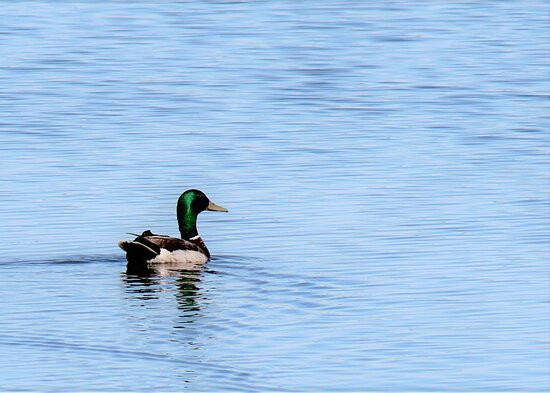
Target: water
x,y
385,167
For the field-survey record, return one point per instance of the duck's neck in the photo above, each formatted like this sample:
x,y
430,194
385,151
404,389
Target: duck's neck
x,y
187,221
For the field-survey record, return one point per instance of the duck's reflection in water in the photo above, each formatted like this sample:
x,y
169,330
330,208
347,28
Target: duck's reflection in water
x,y
150,282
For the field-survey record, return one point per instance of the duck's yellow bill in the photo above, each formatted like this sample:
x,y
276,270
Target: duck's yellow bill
x,y
216,208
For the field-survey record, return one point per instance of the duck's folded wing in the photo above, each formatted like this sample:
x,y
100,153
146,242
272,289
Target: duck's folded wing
x,y
156,242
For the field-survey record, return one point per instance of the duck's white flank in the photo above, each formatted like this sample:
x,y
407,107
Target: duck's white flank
x,y
179,256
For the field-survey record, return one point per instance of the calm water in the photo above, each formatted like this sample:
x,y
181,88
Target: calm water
x,y
385,167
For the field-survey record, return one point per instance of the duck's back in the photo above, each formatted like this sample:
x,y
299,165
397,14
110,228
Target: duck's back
x,y
152,248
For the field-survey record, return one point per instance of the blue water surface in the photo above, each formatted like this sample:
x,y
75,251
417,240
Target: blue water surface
x,y
385,166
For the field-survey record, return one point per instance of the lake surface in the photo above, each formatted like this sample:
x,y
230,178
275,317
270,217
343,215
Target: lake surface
x,y
385,167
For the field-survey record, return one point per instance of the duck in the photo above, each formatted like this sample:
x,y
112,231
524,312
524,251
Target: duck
x,y
149,249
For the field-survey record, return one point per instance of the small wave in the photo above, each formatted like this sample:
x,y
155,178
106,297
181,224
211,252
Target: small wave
x,y
226,374
71,260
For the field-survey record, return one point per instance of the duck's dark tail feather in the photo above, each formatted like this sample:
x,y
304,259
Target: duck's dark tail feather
x,y
137,254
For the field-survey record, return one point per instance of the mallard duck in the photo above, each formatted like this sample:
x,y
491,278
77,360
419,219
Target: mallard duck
x,y
149,248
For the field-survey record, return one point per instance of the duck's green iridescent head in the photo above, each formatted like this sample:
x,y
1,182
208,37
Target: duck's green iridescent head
x,y
190,204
